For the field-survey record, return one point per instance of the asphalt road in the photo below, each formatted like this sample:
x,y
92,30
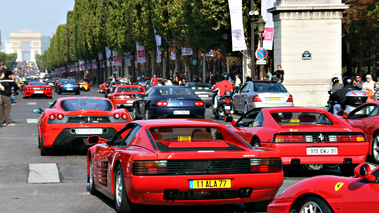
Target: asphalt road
x,y
18,149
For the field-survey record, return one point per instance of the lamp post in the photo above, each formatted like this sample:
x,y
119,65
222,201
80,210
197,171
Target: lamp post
x,y
161,48
261,28
225,38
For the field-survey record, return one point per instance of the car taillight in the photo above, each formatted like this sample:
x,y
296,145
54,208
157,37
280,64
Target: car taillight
x,y
227,101
52,117
124,116
290,99
76,85
119,97
61,85
266,165
161,103
28,88
290,138
116,115
49,88
256,98
149,167
60,116
199,103
351,138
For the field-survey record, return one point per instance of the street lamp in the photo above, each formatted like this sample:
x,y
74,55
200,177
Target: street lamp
x,y
161,48
261,28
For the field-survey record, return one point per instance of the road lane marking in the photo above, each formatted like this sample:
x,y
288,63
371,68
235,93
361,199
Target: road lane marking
x,y
31,120
31,103
43,173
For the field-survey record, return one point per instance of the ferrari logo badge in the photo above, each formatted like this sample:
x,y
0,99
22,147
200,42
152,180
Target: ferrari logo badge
x,y
338,186
321,137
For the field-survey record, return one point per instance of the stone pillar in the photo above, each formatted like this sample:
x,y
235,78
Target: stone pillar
x,y
314,27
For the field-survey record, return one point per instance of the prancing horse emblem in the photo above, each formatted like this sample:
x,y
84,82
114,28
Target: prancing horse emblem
x,y
321,137
209,167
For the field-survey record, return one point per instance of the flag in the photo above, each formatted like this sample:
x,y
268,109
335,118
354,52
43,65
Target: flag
x,y
238,37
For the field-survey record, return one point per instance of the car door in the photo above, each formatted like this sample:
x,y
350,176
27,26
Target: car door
x,y
237,99
244,95
143,100
361,196
363,117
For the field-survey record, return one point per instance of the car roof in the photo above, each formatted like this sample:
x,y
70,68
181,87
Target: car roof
x,y
178,123
292,109
83,97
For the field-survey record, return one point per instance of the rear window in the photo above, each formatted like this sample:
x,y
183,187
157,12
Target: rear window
x,y
86,104
269,87
37,84
201,87
186,134
130,89
68,81
301,117
175,91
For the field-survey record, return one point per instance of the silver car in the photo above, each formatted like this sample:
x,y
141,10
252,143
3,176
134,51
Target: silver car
x,y
261,94
203,91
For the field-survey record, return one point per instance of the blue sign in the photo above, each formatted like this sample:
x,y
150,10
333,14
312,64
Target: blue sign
x,y
261,53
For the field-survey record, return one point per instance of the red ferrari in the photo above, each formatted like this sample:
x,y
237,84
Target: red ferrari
x,y
331,194
124,96
181,162
102,87
366,117
68,122
309,137
38,89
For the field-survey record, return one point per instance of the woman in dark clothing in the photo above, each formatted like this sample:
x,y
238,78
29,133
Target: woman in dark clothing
x,y
5,108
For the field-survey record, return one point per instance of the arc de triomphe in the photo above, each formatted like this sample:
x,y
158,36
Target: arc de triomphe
x,y
33,38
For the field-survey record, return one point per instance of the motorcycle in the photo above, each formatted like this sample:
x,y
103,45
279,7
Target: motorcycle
x,y
224,106
354,98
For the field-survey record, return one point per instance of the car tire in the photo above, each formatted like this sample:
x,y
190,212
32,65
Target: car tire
x,y
314,203
123,204
347,169
256,143
45,151
91,182
134,115
375,144
59,91
245,108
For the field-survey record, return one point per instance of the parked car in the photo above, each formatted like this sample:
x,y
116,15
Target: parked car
x,y
67,123
331,194
102,87
261,94
68,85
124,96
309,137
366,118
37,89
168,102
181,162
203,91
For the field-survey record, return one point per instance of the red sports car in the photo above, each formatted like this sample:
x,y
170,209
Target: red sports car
x,y
124,96
38,89
68,122
309,137
181,162
366,117
331,194
102,87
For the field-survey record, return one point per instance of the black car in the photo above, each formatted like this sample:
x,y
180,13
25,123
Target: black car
x,y
57,84
168,102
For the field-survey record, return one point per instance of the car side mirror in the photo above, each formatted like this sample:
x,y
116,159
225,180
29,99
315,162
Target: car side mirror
x,y
38,111
364,171
230,119
95,139
341,113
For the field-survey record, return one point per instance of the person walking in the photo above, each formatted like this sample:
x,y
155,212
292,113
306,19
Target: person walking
x,y
358,83
279,73
155,80
5,108
368,88
237,82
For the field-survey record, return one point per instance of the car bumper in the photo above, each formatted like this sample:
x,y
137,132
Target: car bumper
x,y
123,103
150,189
29,93
64,137
261,104
172,112
296,153
63,89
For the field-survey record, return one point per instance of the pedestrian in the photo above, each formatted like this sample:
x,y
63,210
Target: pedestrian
x,y
368,88
184,81
155,80
5,108
279,73
358,83
237,82
269,75
212,80
176,81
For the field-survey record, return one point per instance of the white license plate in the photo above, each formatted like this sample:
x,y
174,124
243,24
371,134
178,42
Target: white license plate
x,y
88,131
129,101
203,96
181,112
38,92
322,151
70,89
227,107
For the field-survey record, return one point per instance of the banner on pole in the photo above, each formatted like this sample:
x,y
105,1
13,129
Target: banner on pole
x,y
268,34
238,37
187,50
140,54
158,41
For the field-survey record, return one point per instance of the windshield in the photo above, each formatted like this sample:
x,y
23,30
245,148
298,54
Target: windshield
x,y
176,91
86,104
269,87
130,89
301,118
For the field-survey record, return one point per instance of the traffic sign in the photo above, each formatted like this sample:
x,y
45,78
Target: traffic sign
x,y
261,62
115,69
261,53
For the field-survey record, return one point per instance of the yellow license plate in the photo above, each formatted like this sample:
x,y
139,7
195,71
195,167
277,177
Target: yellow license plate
x,y
274,99
210,184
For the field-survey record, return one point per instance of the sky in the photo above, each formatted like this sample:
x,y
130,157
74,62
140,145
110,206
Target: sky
x,y
37,15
